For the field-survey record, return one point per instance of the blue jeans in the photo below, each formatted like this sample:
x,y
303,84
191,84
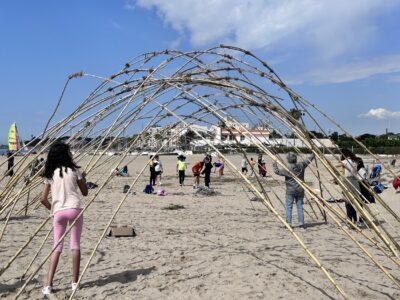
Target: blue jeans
x,y
289,205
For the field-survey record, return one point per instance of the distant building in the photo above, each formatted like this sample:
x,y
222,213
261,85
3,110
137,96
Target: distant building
x,y
289,143
248,136
174,138
393,136
171,138
179,132
154,136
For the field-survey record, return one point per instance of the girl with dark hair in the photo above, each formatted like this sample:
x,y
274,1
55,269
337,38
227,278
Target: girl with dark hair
x,y
65,181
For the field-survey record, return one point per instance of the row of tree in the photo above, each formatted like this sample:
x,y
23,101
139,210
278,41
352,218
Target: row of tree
x,y
386,143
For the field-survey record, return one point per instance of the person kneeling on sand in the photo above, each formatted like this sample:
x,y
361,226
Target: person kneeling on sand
x,y
124,171
66,182
294,191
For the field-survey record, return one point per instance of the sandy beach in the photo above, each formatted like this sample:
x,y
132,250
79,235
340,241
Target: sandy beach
x,y
219,247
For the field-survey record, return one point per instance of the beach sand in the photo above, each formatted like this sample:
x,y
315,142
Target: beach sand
x,y
219,247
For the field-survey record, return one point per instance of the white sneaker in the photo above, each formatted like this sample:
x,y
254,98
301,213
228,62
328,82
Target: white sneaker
x,y
74,286
47,290
361,224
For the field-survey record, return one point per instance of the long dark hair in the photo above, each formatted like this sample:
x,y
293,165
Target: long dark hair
x,y
346,153
59,157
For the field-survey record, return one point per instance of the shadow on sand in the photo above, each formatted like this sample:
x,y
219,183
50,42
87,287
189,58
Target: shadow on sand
x,y
123,277
8,288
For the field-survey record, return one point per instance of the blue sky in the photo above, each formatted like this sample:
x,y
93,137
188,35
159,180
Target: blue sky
x,y
342,55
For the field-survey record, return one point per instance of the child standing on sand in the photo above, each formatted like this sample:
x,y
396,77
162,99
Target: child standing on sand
x,y
252,166
207,171
219,164
158,168
180,168
263,169
244,165
152,172
66,182
259,163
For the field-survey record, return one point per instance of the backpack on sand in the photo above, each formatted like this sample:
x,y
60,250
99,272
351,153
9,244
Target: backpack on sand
x,y
148,189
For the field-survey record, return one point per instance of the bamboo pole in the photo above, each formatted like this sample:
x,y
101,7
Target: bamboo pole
x,y
193,72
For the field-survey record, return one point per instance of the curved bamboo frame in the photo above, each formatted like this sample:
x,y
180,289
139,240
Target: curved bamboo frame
x,y
222,85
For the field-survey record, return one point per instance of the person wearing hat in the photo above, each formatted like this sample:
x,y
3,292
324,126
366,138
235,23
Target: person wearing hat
x,y
294,191
180,169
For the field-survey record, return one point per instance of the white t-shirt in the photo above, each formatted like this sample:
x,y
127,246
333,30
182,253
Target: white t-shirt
x,y
350,168
158,167
65,191
244,163
362,174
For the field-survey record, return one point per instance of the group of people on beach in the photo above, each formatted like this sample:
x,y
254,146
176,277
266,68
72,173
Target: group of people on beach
x,y
66,183
248,166
351,167
203,167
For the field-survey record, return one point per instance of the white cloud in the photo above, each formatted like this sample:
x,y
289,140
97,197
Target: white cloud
x,y
351,71
382,114
175,43
331,27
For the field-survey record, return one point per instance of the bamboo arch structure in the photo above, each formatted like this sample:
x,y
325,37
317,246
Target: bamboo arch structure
x,y
224,86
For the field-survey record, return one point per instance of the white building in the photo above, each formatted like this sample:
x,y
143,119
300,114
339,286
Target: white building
x,y
223,136
175,134
288,142
244,135
156,136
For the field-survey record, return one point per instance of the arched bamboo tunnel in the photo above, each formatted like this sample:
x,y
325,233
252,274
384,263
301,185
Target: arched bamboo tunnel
x,y
222,86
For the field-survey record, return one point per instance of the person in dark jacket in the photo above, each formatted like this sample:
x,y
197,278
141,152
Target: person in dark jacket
x,y
294,191
207,167
259,163
153,174
10,164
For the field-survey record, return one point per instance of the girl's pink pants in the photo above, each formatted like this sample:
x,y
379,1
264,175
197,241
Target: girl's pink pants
x,y
61,219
